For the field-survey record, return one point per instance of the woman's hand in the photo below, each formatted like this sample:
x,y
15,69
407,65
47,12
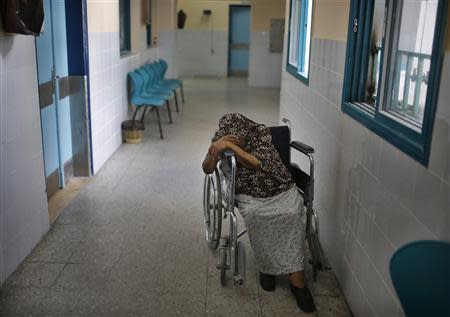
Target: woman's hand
x,y
224,143
214,152
232,139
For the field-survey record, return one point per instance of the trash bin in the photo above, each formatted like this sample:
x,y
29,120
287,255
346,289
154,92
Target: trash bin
x,y
132,131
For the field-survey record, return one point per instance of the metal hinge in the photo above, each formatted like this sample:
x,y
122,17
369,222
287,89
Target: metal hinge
x,y
355,25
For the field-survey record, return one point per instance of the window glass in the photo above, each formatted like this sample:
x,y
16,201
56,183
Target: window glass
x,y
124,26
300,38
294,34
410,61
149,23
375,49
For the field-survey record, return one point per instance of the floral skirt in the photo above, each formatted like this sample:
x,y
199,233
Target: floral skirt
x,y
276,228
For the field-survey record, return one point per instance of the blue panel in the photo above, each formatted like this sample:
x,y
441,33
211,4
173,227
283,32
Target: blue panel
x,y
240,60
240,25
48,122
44,48
51,52
65,131
76,30
239,34
60,37
48,114
62,70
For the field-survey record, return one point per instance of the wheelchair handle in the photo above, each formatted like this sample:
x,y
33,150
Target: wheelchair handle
x,y
302,147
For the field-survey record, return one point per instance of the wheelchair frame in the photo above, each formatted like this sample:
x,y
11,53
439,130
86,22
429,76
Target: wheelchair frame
x,y
231,253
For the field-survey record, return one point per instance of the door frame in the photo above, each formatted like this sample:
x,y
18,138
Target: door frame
x,y
78,66
249,6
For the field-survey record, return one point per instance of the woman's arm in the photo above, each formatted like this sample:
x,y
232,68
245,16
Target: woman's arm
x,y
228,143
246,159
209,163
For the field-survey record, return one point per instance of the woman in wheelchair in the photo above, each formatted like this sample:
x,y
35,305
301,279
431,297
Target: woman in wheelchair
x,y
268,200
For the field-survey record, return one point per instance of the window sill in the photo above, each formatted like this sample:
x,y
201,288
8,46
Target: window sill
x,y
127,54
293,71
406,140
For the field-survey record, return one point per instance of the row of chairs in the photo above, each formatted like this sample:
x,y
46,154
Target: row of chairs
x,y
150,89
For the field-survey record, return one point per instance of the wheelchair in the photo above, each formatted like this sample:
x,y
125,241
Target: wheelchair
x,y
219,204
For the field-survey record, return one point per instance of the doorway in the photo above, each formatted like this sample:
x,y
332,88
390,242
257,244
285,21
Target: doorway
x,y
63,93
239,40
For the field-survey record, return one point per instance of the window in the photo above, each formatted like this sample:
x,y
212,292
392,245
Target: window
x,y
299,39
148,22
124,26
394,59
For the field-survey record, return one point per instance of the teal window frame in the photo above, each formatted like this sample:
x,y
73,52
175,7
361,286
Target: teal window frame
x,y
303,28
125,19
414,143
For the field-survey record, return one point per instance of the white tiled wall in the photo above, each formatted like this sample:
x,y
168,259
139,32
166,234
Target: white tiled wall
x,y
195,57
167,50
23,201
109,92
371,197
265,67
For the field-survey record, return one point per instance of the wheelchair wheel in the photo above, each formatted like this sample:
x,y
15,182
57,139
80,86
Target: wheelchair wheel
x,y
212,209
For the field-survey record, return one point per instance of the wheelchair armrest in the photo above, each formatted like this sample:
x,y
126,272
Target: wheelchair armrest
x,y
302,147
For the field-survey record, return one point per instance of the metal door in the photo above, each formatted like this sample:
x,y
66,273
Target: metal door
x,y
239,40
52,64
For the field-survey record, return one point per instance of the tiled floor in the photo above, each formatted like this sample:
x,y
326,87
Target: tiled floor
x,y
132,243
62,198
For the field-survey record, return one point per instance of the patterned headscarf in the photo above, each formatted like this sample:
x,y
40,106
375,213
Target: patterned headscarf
x,y
238,125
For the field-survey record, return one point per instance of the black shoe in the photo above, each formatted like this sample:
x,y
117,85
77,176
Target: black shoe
x,y
267,282
304,299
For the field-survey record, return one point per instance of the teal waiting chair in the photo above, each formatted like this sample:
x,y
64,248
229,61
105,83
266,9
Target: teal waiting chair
x,y
156,72
420,272
179,82
141,100
152,83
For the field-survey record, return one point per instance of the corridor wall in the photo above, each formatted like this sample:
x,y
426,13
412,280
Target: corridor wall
x,y
265,66
108,73
371,197
167,34
203,43
23,200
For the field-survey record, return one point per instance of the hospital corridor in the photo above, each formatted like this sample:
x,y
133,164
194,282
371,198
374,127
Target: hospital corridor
x,y
128,190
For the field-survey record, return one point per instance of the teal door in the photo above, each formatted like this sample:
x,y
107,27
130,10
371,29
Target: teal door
x,y
52,64
239,40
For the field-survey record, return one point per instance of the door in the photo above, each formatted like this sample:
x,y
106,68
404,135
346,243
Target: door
x,y
239,40
55,97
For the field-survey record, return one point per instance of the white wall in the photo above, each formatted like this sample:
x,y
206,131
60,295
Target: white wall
x,y
202,53
108,76
371,198
265,67
23,200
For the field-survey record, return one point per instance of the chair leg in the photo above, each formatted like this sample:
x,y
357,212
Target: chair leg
x,y
170,112
182,92
143,114
176,100
159,122
135,113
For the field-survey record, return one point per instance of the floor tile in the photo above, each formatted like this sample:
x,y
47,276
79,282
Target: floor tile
x,y
332,306
53,251
35,275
